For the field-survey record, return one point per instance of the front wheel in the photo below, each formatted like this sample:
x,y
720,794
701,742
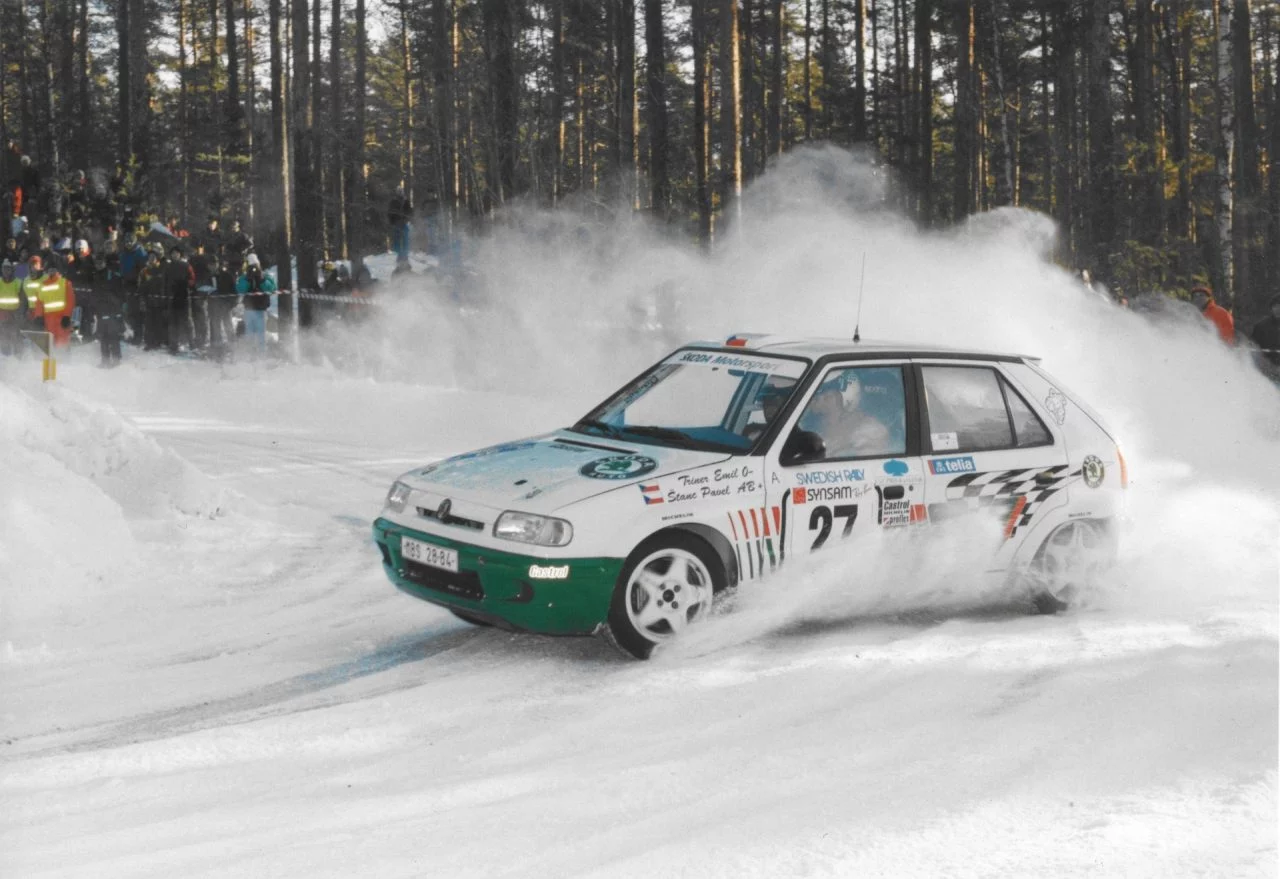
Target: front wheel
x,y
1070,562
666,585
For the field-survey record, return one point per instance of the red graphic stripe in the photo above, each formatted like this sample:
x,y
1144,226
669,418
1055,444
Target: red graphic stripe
x,y
733,528
1012,522
764,514
755,523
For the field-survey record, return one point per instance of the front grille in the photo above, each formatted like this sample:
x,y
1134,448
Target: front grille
x,y
464,583
460,522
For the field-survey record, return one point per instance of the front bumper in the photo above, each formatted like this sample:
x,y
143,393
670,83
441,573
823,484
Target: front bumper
x,y
497,586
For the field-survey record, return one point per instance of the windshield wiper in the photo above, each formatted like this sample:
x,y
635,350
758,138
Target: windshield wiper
x,y
670,434
603,426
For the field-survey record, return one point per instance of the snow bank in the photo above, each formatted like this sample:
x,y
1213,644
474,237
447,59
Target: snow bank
x,y
77,482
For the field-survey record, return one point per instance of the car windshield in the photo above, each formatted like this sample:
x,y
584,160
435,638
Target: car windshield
x,y
708,400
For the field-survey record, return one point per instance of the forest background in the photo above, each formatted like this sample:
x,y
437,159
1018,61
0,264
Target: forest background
x,y
1148,129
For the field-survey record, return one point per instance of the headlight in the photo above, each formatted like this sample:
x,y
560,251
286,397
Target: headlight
x,y
528,528
398,496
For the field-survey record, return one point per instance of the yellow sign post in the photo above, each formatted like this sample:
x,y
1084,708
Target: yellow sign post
x,y
44,341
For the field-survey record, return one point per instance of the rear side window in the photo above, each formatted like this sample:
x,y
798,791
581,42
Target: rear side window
x,y
966,409
1028,429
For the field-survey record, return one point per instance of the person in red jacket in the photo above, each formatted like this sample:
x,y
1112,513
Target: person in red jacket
x,y
1202,297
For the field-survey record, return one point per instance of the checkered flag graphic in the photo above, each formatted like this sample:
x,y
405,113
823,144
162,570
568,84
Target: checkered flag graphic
x,y
1019,492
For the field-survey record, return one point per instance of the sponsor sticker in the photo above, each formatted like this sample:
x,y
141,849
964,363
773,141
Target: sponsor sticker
x,y
826,477
619,467
1093,471
789,368
548,572
945,441
1056,403
894,467
946,466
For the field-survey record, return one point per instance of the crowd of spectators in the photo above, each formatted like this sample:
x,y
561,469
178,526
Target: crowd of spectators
x,y
85,262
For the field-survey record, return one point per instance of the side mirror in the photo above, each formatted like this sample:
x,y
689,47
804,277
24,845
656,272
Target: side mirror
x,y
802,447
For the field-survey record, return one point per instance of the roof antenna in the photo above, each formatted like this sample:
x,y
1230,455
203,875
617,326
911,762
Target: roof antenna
x,y
861,284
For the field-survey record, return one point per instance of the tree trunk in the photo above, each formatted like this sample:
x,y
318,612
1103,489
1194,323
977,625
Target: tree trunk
x,y
1102,153
184,107
859,71
656,106
1247,183
84,117
730,106
306,202
1224,154
499,24
283,222
233,113
337,127
626,100
1006,188
924,62
773,138
250,118
965,112
808,68
359,171
700,30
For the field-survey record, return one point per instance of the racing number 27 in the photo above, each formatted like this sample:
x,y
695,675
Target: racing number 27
x,y
821,519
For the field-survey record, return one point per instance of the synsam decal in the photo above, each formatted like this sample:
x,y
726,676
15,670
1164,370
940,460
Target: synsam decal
x,y
822,477
826,493
945,466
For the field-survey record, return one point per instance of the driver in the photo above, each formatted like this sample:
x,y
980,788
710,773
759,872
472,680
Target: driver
x,y
847,431
769,399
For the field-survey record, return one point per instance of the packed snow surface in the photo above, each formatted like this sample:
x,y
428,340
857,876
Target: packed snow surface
x,y
204,672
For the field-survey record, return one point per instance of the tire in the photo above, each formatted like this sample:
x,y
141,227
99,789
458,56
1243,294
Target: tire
x,y
468,618
1069,563
667,583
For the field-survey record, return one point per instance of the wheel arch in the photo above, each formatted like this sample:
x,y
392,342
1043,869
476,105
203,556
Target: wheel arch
x,y
707,534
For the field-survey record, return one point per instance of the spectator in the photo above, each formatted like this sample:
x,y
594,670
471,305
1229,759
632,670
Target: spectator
x,y
256,287
204,264
179,281
236,245
52,300
399,215
13,310
1266,334
212,237
1202,298
220,305
154,298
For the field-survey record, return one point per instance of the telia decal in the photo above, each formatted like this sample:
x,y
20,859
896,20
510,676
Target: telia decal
x,y
947,466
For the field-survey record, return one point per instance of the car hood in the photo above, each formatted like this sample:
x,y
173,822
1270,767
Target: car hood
x,y
545,473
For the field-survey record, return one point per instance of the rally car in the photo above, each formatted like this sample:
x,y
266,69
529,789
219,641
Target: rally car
x,y
725,459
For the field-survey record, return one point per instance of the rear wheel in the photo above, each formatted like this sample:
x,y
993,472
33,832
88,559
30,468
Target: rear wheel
x,y
1070,562
666,585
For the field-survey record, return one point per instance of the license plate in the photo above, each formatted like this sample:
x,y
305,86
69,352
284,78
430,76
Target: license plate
x,y
429,554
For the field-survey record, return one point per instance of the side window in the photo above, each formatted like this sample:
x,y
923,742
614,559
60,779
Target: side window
x,y
966,409
1027,426
860,412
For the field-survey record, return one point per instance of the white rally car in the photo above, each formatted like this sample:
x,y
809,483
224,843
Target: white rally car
x,y
725,459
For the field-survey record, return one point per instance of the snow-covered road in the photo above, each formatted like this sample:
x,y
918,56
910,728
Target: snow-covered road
x,y
230,687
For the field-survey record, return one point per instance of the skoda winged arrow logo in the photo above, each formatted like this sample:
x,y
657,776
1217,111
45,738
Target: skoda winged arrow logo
x,y
442,511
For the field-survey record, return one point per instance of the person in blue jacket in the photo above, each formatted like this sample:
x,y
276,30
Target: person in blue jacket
x,y
256,287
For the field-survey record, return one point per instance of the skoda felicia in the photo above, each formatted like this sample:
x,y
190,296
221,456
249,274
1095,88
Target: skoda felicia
x,y
724,460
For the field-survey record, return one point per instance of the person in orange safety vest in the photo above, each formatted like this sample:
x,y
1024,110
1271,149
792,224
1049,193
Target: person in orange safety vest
x,y
13,310
1202,298
51,300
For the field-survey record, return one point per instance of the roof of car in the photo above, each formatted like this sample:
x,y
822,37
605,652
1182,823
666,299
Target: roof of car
x,y
816,348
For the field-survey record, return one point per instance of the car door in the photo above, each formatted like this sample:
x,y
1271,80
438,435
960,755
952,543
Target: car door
x,y
862,470
987,450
